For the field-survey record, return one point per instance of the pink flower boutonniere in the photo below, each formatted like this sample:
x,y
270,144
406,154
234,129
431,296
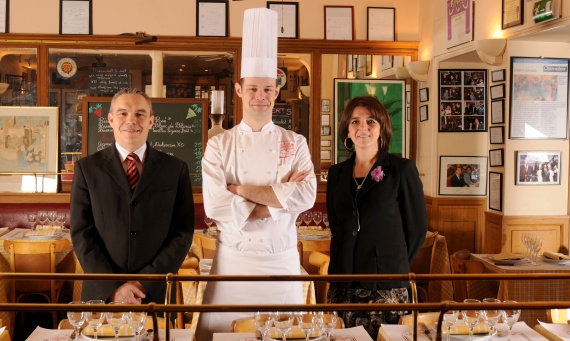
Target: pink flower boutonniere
x,y
377,174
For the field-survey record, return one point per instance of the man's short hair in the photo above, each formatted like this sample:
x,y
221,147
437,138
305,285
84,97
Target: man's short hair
x,y
131,91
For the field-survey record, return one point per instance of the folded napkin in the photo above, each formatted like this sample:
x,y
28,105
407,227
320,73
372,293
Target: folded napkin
x,y
42,233
49,227
107,331
310,228
314,232
463,329
555,255
294,333
505,256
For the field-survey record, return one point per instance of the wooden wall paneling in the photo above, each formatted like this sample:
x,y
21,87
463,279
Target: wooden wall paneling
x,y
553,230
493,236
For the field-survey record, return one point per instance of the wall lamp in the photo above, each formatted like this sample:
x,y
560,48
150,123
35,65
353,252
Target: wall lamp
x,y
491,51
418,70
401,72
3,87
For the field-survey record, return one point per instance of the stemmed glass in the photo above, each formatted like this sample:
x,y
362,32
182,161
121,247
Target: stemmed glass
x,y
511,316
327,320
284,322
116,319
32,217
307,218
263,323
492,316
317,218
42,217
61,219
209,221
299,220
52,216
449,319
95,318
306,321
326,220
76,318
136,320
471,317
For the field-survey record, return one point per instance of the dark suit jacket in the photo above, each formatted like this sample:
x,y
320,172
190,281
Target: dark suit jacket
x,y
393,220
457,181
113,231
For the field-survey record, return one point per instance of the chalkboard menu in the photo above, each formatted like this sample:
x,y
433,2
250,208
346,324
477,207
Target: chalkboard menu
x,y
283,116
180,129
108,80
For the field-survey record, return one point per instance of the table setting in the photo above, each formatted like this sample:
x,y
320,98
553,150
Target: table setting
x,y
344,334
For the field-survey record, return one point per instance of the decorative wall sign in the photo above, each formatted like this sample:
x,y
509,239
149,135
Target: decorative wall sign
x,y
66,67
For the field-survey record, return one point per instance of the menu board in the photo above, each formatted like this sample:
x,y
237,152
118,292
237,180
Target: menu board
x,y
283,116
178,129
108,80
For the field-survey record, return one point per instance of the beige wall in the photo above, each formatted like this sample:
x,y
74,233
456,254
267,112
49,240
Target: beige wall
x,y
177,17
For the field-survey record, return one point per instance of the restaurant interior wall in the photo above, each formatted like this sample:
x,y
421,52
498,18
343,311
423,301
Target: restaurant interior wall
x,y
177,17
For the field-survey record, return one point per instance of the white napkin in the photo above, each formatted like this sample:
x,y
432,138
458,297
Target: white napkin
x,y
562,330
348,334
42,334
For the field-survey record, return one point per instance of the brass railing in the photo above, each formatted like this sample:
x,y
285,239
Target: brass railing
x,y
153,309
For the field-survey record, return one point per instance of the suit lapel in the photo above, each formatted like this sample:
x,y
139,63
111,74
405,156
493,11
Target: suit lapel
x,y
114,167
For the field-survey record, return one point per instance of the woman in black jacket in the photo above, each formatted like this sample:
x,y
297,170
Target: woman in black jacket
x,y
377,214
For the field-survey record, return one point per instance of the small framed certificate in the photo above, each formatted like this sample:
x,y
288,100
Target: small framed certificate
x,y
4,10
211,18
496,157
496,191
75,17
381,23
497,135
339,22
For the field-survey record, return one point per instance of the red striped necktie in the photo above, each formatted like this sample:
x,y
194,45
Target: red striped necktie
x,y
133,174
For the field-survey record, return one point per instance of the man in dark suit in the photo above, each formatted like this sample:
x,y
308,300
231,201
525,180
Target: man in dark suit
x,y
457,178
526,172
130,215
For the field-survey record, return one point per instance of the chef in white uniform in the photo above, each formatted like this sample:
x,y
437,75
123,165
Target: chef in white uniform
x,y
257,178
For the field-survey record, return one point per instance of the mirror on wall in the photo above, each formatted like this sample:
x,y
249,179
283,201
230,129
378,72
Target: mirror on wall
x,y
345,76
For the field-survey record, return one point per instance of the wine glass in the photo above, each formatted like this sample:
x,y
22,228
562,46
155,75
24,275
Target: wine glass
x,y
209,221
32,217
317,217
136,320
307,218
52,216
95,318
511,316
306,321
263,323
298,221
449,319
76,318
283,321
42,217
326,220
327,321
492,316
471,316
61,217
116,319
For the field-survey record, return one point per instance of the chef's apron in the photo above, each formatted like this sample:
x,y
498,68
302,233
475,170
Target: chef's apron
x,y
228,261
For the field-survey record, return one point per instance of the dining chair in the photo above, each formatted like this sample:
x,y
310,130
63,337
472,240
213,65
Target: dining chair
x,y
422,264
428,318
461,263
205,246
35,257
558,315
307,247
186,292
321,261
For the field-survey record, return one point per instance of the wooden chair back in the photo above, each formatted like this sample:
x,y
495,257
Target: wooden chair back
x,y
36,257
461,263
186,292
557,315
428,318
205,246
422,265
321,261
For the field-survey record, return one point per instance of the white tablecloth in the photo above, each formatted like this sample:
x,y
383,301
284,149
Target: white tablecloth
x,y
42,334
347,334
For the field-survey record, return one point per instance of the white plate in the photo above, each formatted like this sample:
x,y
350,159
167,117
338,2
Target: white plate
x,y
556,261
42,237
302,237
106,337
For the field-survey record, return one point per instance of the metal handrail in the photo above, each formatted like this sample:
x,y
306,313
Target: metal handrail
x,y
170,278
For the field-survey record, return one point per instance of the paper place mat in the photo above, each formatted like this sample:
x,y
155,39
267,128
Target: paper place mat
x,y
314,232
555,255
42,334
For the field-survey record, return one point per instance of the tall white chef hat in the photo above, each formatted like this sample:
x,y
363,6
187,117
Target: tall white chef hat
x,y
259,43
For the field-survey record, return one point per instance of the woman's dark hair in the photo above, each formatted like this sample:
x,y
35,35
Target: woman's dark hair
x,y
379,113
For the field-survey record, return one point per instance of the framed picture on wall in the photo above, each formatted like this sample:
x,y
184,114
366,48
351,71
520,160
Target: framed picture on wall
x,y
538,167
452,174
539,98
424,95
498,91
459,20
497,111
339,22
423,113
497,135
496,191
4,16
381,23
288,18
387,91
75,17
211,18
498,75
513,13
496,157
462,100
